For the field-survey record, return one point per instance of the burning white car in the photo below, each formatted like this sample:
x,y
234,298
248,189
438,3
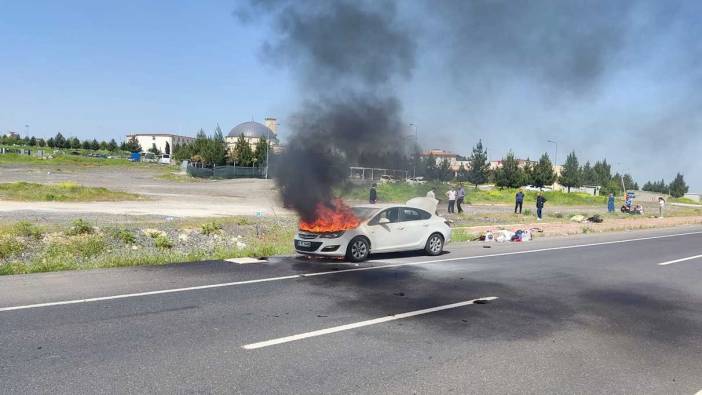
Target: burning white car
x,y
377,228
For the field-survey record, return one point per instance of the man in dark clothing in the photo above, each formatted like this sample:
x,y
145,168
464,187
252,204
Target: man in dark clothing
x,y
519,200
540,200
373,195
460,195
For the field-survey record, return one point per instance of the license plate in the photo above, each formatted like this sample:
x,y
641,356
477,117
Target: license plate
x,y
304,243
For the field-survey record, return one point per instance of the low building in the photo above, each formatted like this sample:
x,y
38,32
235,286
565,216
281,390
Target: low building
x,y
12,135
165,143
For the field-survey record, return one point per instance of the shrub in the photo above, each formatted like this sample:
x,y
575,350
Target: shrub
x,y
527,211
458,235
242,221
27,229
9,246
163,242
211,228
80,227
125,236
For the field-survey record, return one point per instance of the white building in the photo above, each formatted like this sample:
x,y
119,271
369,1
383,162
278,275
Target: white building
x,y
163,142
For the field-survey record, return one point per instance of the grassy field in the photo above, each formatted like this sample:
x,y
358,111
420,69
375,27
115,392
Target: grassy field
x,y
401,192
28,248
61,192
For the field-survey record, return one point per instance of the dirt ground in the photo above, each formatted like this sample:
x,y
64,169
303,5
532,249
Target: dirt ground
x,y
165,197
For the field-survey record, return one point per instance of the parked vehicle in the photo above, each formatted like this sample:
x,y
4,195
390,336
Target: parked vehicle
x,y
165,159
389,228
386,179
416,180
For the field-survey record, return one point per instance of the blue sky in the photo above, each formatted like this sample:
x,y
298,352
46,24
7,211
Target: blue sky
x,y
105,68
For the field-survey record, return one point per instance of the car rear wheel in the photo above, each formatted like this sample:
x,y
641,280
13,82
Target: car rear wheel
x,y
358,250
435,244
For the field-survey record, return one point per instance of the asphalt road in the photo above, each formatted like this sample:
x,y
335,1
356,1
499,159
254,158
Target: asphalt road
x,y
592,314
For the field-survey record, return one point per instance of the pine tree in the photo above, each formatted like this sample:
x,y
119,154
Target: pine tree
x,y
41,142
571,175
261,152
243,154
94,145
112,145
445,173
543,173
603,172
51,142
86,144
103,145
60,141
509,175
33,141
589,175
678,188
463,173
479,165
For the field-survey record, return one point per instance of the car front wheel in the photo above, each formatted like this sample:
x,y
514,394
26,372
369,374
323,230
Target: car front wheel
x,y
435,244
358,250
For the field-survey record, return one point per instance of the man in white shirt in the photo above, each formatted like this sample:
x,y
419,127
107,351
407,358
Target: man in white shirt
x,y
430,194
451,194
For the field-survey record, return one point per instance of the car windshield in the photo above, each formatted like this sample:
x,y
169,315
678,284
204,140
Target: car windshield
x,y
363,213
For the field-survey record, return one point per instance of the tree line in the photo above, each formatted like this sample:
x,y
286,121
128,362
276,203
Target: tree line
x,y
513,174
61,142
677,188
208,151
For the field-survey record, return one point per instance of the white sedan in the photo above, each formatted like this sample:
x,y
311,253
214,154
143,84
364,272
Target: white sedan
x,y
383,228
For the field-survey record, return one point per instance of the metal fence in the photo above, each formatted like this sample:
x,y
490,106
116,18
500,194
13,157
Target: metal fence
x,y
226,172
372,174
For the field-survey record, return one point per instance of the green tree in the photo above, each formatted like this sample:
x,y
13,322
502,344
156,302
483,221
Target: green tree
x,y
678,188
60,141
261,152
509,175
218,148
242,154
112,145
571,175
103,145
479,166
629,182
73,143
86,144
589,175
463,174
94,145
51,142
603,173
543,173
41,142
33,141
445,172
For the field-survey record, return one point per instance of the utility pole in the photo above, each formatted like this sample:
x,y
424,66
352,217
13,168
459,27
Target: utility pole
x,y
555,161
416,145
268,145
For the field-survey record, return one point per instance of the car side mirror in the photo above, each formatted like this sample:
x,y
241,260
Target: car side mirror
x,y
383,221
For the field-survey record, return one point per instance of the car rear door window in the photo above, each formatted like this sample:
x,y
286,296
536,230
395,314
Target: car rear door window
x,y
413,214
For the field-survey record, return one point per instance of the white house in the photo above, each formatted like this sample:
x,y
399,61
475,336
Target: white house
x,y
163,142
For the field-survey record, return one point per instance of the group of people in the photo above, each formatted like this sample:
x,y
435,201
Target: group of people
x,y
519,203
455,197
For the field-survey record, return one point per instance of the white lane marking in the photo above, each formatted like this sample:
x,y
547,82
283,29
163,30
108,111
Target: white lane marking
x,y
294,276
536,250
360,324
679,260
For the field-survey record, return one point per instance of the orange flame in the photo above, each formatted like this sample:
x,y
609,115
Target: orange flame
x,y
332,217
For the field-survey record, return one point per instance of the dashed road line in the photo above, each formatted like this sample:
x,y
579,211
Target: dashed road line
x,y
679,260
335,329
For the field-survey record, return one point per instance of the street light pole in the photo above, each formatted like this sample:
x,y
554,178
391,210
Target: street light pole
x,y
268,144
416,144
556,157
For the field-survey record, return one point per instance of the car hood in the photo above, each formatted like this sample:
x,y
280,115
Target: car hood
x,y
424,203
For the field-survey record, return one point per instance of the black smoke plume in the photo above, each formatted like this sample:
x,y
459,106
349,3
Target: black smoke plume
x,y
346,56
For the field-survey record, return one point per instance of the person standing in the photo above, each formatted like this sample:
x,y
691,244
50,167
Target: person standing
x,y
373,195
460,196
431,194
610,203
518,201
451,195
661,206
540,201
